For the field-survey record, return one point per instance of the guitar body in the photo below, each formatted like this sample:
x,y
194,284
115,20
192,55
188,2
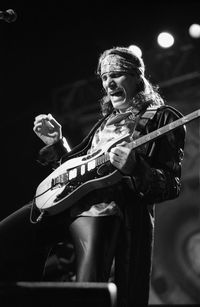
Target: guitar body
x,y
78,176
75,178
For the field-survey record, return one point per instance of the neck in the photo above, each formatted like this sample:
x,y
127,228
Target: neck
x,y
132,109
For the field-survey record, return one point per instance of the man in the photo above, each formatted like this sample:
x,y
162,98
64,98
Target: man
x,y
116,221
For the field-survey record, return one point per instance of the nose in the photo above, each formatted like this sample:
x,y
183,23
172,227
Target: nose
x,y
111,83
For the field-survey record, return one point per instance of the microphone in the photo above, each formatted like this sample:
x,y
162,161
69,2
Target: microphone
x,y
8,15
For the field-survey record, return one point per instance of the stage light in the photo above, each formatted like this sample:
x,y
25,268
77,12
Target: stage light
x,y
135,49
165,40
194,30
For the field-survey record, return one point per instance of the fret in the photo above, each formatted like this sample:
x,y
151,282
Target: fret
x,y
163,130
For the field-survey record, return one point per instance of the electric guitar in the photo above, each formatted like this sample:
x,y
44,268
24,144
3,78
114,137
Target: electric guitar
x,y
78,176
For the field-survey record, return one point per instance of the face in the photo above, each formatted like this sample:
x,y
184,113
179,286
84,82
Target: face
x,y
120,88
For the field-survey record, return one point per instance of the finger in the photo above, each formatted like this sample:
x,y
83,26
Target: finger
x,y
122,144
47,123
120,151
40,117
53,120
53,134
114,158
38,124
37,127
39,120
115,150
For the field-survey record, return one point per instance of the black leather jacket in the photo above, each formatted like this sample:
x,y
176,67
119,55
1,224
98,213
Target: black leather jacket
x,y
156,178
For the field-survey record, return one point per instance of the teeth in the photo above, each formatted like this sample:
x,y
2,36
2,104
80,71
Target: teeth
x,y
116,93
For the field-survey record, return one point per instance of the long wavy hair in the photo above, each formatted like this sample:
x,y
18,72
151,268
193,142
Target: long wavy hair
x,y
146,93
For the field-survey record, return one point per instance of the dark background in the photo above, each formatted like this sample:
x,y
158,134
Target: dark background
x,y
53,46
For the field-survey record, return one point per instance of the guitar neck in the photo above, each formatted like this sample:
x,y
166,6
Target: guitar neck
x,y
165,129
100,158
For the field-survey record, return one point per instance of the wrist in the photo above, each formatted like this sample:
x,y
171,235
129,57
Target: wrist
x,y
66,144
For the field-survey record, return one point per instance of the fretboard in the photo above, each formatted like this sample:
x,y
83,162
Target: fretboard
x,y
165,129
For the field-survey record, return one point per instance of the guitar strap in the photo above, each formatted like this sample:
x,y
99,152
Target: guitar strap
x,y
142,120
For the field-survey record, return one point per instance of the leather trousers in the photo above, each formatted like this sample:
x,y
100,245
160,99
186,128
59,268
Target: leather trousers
x,y
25,246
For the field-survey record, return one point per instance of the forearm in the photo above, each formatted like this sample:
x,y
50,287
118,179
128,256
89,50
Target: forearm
x,y
52,154
155,184
158,174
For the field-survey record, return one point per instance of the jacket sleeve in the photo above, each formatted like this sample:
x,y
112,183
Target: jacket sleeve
x,y
157,177
52,154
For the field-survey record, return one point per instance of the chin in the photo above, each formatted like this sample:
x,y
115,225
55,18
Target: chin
x,y
118,102
121,105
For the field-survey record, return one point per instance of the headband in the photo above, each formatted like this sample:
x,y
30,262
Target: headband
x,y
114,62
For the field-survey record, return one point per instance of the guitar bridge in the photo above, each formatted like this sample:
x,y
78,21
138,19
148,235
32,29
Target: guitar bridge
x,y
65,192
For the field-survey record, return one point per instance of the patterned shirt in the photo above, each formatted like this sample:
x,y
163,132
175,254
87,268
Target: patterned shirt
x,y
116,125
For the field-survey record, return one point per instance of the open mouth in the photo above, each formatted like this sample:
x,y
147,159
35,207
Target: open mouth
x,y
117,93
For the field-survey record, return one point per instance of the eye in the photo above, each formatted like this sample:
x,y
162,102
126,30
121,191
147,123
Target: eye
x,y
116,75
112,75
104,78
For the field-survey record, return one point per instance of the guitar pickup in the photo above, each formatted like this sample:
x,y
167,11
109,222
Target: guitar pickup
x,y
59,181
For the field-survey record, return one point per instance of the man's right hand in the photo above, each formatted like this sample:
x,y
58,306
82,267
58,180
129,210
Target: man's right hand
x,y
47,129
